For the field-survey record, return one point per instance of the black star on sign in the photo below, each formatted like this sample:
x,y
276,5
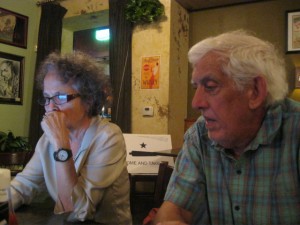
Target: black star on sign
x,y
143,145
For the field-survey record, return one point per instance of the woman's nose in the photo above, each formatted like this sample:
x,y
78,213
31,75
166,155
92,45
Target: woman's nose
x,y
51,106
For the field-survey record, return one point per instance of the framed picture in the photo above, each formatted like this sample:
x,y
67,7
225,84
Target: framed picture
x,y
13,28
11,78
297,77
293,31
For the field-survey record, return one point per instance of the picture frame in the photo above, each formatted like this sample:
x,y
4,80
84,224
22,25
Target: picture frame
x,y
11,79
297,77
293,31
13,28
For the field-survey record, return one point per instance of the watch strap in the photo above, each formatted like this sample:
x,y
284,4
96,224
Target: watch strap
x,y
56,154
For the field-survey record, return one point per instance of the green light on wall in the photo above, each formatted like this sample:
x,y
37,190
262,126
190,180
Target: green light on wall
x,y
102,35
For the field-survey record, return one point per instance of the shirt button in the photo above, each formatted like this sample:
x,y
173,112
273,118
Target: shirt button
x,y
239,172
237,208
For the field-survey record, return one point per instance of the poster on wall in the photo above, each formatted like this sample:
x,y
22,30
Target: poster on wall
x,y
150,72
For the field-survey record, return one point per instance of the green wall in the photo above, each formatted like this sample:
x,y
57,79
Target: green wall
x,y
266,19
16,117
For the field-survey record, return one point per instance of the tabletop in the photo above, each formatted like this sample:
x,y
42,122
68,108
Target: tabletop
x,y
40,212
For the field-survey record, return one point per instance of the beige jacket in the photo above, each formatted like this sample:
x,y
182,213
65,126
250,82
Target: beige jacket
x,y
102,191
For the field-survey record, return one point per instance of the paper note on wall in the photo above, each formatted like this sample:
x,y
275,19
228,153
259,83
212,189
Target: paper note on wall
x,y
150,143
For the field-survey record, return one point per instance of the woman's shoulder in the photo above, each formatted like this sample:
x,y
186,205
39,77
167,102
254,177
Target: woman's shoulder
x,y
102,124
101,129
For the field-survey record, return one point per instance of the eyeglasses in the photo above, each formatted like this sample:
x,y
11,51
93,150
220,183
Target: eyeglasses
x,y
57,99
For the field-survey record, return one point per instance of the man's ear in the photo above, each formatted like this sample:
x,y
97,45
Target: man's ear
x,y
258,92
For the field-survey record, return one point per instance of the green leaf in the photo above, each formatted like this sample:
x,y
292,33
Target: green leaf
x,y
11,143
143,11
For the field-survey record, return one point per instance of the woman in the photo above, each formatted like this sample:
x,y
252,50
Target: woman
x,y
80,157
9,80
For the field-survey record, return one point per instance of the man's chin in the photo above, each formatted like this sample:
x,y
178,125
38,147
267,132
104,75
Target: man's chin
x,y
213,135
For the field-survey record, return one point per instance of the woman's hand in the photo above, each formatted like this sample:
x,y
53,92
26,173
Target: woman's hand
x,y
54,126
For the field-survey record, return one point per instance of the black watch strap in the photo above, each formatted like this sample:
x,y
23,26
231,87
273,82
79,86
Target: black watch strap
x,y
62,155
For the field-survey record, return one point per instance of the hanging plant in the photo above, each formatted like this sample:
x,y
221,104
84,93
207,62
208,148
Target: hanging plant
x,y
144,11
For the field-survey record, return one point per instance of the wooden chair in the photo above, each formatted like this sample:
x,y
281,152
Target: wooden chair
x,y
135,194
163,177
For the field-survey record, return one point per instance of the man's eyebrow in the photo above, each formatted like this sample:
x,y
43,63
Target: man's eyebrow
x,y
193,82
204,80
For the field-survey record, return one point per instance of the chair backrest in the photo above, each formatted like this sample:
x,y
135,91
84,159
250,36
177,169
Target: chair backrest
x,y
163,177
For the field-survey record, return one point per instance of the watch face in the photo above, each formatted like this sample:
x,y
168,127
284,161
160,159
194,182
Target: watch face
x,y
62,155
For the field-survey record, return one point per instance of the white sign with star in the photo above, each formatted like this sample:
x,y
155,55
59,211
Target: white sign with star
x,y
147,143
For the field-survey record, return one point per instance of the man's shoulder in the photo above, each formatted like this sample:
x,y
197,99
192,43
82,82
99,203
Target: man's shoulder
x,y
285,107
290,105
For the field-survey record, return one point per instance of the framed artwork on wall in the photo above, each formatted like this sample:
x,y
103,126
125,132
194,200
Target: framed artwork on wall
x,y
11,78
13,28
297,77
293,31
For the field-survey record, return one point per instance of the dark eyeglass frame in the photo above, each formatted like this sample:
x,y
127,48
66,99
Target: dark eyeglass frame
x,y
43,101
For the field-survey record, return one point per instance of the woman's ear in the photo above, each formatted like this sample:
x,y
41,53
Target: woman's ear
x,y
258,92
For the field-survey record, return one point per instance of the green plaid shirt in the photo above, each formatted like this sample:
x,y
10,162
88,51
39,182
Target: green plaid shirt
x,y
260,188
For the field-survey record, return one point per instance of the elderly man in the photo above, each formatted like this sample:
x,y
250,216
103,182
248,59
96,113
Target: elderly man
x,y
240,162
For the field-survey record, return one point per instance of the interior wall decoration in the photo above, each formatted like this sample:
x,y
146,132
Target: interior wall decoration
x,y
150,72
11,78
297,77
13,28
293,31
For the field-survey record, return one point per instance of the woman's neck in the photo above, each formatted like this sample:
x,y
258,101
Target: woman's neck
x,y
76,135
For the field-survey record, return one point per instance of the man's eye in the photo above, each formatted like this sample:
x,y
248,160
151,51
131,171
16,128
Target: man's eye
x,y
210,87
194,86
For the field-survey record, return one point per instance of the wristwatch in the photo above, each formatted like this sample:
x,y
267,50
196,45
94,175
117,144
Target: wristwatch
x,y
62,154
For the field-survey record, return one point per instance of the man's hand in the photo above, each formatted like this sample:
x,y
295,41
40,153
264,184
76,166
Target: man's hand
x,y
171,214
172,223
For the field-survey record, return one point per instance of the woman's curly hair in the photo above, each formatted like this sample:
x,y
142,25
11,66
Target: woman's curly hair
x,y
83,72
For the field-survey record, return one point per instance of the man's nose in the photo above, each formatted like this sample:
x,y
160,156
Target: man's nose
x,y
199,100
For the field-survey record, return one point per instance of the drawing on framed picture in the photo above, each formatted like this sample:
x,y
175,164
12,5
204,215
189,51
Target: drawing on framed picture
x,y
293,31
13,28
297,77
11,78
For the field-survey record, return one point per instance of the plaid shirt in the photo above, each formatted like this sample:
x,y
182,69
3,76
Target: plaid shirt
x,y
261,187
